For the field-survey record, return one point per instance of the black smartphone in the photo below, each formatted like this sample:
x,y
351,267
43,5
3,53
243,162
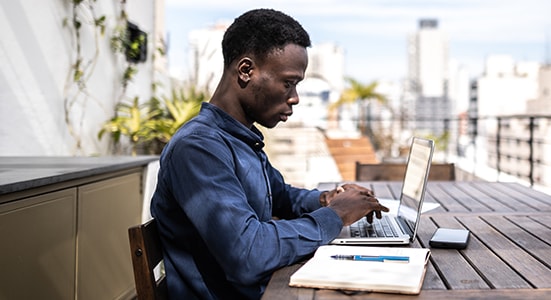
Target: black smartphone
x,y
449,238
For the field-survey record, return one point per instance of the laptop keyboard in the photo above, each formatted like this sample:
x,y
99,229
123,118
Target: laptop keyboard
x,y
379,228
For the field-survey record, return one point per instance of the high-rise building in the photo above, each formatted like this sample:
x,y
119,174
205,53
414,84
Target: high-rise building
x,y
428,77
509,140
326,62
206,59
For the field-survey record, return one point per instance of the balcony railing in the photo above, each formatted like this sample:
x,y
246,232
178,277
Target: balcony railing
x,y
517,146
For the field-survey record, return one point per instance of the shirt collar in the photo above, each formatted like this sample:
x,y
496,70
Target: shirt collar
x,y
253,137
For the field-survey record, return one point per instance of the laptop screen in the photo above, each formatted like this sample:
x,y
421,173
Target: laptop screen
x,y
415,179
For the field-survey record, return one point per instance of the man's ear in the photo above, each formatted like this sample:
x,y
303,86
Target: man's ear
x,y
244,69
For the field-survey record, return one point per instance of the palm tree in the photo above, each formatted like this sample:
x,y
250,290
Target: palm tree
x,y
358,92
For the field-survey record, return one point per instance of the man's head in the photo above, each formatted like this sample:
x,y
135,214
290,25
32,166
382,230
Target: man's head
x,y
265,58
260,31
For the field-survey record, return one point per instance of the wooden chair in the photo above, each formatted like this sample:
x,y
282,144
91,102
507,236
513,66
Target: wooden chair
x,y
396,171
147,254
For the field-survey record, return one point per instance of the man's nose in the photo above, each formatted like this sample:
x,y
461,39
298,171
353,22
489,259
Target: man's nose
x,y
293,99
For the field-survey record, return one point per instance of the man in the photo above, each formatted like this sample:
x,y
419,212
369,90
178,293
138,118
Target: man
x,y
217,193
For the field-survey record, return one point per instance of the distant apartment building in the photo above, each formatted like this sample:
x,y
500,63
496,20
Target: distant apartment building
x,y
510,136
428,77
542,104
205,57
326,62
322,85
459,94
506,86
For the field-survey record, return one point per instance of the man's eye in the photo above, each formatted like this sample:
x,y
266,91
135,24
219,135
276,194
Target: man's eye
x,y
289,84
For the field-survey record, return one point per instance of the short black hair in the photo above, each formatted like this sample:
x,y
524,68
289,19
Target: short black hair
x,y
261,31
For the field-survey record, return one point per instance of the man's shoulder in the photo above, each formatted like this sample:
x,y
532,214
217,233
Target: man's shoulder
x,y
197,129
202,124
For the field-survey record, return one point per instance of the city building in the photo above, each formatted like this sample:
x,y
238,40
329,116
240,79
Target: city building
x,y
505,87
326,61
205,57
322,85
428,77
510,138
541,105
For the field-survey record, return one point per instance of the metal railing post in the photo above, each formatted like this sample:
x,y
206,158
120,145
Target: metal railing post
x,y
498,148
531,154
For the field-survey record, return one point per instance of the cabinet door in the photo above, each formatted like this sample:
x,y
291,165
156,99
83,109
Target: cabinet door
x,y
37,247
106,210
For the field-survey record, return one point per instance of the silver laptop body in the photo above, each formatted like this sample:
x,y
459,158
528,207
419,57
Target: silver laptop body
x,y
403,224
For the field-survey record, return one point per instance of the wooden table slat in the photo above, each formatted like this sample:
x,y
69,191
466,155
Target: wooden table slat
x,y
518,201
539,225
492,195
528,192
526,233
436,193
475,200
529,244
523,263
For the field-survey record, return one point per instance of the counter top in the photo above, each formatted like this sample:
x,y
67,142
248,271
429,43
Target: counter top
x,y
23,173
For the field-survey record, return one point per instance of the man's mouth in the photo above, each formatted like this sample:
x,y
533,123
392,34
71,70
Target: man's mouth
x,y
285,116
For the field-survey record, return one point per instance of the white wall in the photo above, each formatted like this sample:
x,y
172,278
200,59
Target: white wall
x,y
502,90
42,112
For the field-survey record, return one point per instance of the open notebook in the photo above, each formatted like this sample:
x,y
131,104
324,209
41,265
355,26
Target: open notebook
x,y
400,227
373,275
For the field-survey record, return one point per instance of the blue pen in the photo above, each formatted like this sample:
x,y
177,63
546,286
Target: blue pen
x,y
379,258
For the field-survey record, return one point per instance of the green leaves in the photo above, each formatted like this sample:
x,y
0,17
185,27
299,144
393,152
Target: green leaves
x,y
359,92
153,122
134,121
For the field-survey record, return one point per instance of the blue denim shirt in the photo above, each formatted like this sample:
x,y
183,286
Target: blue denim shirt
x,y
215,198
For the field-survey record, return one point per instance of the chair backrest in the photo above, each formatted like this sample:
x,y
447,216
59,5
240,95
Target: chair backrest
x,y
396,171
147,254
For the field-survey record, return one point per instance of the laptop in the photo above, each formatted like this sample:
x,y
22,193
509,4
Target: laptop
x,y
399,228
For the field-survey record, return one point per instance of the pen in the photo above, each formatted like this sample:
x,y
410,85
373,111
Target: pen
x,y
379,258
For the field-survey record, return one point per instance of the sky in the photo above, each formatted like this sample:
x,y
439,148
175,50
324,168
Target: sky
x,y
373,33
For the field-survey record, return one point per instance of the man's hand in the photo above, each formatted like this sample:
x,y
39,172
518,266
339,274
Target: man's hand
x,y
326,197
353,202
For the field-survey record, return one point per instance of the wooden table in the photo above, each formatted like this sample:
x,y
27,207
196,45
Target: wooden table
x,y
508,256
